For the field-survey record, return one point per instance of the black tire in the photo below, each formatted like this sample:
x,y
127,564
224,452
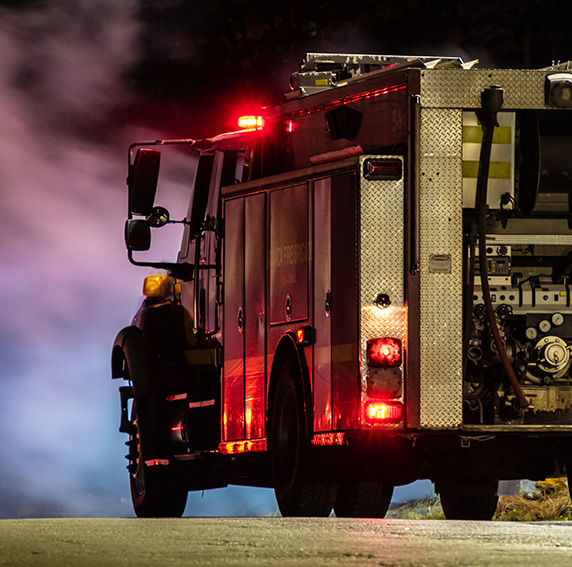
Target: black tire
x,y
149,500
459,506
299,490
363,499
568,467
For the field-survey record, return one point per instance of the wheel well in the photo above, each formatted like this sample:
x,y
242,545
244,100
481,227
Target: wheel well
x,y
128,359
118,365
287,349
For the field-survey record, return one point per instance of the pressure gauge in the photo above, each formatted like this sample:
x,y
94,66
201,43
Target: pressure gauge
x,y
544,326
531,333
557,319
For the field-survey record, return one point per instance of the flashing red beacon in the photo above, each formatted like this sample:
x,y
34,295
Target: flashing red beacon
x,y
384,352
255,122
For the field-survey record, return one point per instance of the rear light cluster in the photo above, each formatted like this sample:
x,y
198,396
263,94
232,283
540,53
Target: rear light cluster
x,y
384,353
385,387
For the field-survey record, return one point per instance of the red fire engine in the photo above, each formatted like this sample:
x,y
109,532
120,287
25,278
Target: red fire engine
x,y
372,288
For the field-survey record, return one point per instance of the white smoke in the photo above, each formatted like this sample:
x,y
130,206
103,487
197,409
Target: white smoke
x,y
65,286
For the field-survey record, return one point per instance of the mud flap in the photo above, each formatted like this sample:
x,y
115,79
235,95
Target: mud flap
x,y
125,394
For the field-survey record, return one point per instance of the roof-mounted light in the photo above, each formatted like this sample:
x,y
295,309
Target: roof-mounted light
x,y
251,122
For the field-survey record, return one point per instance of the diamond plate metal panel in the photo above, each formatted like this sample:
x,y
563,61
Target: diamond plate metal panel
x,y
461,88
441,134
441,192
381,260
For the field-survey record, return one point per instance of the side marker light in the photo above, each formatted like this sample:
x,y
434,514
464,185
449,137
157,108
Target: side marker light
x,y
305,336
382,169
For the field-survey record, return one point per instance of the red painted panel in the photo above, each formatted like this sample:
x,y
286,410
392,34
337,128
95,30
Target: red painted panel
x,y
289,254
255,314
233,336
322,308
345,303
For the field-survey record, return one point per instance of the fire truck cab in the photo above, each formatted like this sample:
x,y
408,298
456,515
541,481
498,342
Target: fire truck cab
x,y
372,288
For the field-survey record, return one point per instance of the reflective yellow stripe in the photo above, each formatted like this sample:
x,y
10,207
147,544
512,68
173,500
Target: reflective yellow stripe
x,y
474,135
497,169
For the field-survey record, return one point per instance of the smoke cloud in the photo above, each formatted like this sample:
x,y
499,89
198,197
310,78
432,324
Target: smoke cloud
x,y
63,284
66,287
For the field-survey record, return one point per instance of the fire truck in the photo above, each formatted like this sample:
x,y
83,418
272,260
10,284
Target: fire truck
x,y
373,287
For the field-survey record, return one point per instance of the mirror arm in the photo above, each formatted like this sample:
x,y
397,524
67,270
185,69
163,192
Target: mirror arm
x,y
196,283
198,144
183,271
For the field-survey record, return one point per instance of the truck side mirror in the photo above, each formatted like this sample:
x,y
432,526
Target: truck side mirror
x,y
142,181
137,234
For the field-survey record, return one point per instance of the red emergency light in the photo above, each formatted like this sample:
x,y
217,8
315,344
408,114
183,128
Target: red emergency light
x,y
256,122
383,412
384,352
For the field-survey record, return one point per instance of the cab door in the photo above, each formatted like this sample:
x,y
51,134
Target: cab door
x,y
244,318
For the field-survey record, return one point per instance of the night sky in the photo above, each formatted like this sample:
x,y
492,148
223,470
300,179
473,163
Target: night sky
x,y
79,81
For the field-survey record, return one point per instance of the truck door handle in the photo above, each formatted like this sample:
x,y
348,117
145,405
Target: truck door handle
x,y
288,307
240,319
328,304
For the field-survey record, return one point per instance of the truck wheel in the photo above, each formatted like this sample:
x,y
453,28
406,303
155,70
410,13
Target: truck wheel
x,y
363,500
459,506
149,501
568,467
297,492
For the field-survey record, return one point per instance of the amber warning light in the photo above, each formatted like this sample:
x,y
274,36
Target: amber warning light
x,y
253,122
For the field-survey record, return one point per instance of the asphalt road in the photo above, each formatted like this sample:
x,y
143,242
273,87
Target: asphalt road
x,y
282,542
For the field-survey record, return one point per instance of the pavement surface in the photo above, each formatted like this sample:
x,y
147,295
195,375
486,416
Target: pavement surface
x,y
286,542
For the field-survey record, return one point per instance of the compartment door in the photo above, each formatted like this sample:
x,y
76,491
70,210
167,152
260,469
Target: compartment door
x,y
244,318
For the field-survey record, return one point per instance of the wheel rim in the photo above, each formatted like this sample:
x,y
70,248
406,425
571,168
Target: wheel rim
x,y
136,469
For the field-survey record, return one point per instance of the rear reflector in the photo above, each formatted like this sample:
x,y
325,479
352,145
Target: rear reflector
x,y
384,352
383,412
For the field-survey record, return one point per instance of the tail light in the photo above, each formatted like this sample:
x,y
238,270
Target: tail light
x,y
382,412
384,352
